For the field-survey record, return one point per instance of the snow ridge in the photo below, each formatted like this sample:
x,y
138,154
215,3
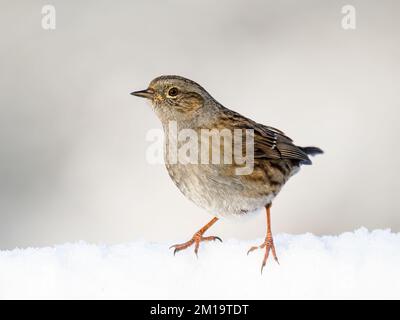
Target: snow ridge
x,y
359,264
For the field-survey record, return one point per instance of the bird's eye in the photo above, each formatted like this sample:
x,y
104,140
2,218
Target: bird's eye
x,y
173,92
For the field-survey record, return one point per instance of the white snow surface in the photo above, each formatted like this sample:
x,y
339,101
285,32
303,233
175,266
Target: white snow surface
x,y
359,265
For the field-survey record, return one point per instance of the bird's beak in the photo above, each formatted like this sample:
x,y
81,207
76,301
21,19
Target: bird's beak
x,y
148,93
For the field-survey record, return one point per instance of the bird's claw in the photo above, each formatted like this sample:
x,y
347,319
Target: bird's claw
x,y
252,249
197,238
268,244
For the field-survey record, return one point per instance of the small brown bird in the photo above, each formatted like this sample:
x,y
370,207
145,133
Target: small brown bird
x,y
217,186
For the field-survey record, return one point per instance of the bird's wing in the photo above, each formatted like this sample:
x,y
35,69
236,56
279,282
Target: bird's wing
x,y
269,143
272,144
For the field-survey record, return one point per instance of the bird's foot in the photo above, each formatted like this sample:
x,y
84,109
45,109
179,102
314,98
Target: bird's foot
x,y
196,239
268,244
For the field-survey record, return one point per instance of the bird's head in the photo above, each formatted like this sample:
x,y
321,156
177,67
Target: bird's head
x,y
174,97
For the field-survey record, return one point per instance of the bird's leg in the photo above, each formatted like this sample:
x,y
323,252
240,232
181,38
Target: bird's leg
x,y
197,238
268,244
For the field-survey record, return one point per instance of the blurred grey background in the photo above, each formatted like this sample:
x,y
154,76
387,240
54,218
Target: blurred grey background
x,y
72,156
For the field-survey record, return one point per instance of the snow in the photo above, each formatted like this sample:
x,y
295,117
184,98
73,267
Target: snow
x,y
359,264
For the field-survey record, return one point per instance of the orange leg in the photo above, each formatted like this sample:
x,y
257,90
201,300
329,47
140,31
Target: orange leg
x,y
197,238
268,244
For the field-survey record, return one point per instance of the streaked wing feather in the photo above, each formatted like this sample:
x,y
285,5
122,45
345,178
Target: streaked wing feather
x,y
269,142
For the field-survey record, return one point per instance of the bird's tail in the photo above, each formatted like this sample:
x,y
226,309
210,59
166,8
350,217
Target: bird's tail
x,y
312,150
